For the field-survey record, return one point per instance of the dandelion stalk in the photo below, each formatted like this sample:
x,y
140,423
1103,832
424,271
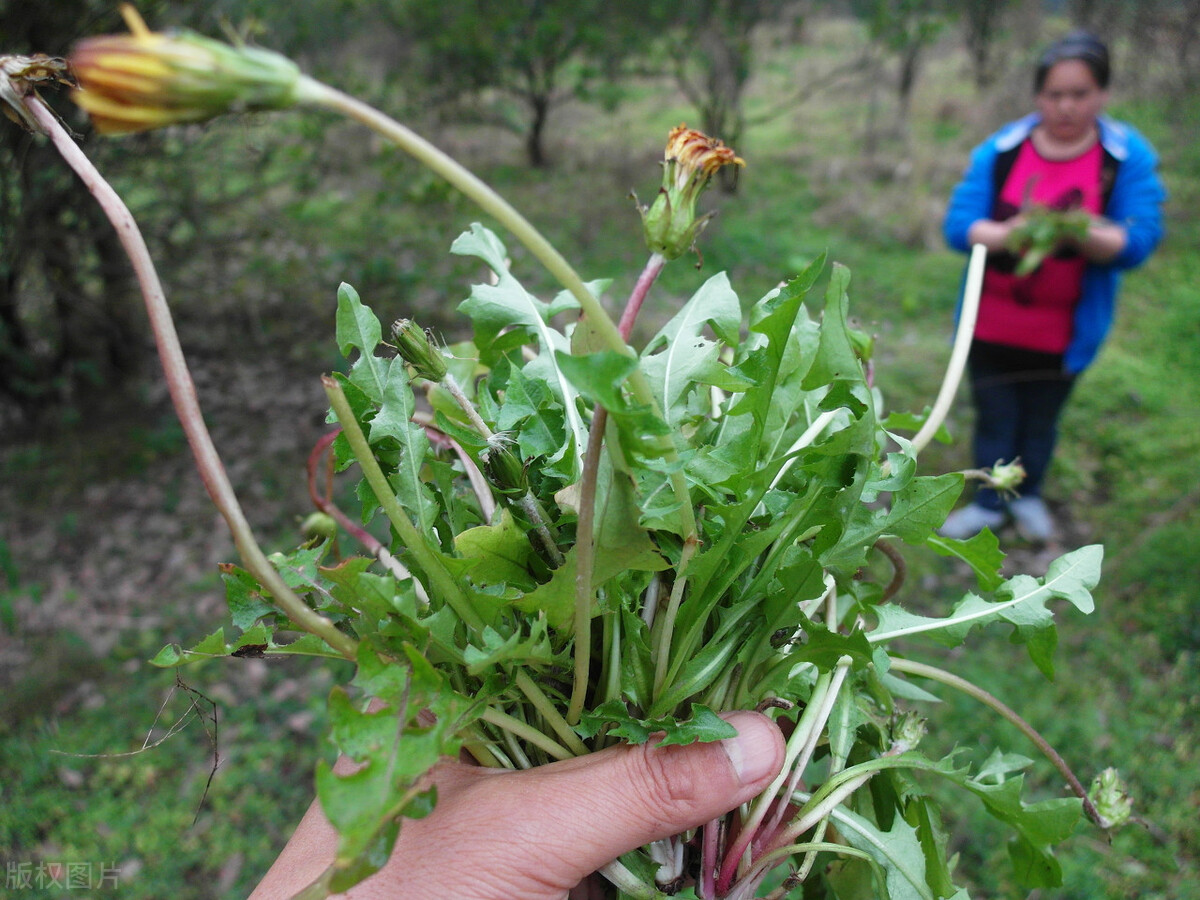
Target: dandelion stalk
x,y
553,717
960,351
994,703
650,273
800,747
584,535
585,564
315,93
326,505
183,390
447,588
526,733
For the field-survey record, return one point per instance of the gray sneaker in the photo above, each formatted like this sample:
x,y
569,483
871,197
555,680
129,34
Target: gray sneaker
x,y
970,520
1033,519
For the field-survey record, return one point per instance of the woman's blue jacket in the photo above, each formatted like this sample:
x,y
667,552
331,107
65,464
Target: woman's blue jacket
x,y
1134,201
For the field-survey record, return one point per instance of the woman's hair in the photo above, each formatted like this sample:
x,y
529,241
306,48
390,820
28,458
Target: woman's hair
x,y
1081,45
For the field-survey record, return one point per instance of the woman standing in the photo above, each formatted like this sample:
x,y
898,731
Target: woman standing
x,y
1036,332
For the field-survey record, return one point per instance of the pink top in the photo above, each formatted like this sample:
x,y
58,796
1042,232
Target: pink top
x,y
1035,312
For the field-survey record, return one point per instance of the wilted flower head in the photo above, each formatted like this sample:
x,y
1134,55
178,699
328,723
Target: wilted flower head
x,y
692,157
21,75
690,161
143,80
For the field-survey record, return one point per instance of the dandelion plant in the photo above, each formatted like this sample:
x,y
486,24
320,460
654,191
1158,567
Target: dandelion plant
x,y
587,542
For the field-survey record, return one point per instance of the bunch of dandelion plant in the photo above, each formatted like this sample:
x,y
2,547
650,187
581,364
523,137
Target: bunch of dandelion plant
x,y
588,542
1043,232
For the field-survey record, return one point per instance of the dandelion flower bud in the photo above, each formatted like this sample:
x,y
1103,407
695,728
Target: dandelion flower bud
x,y
1111,798
415,348
503,467
319,526
1006,477
907,731
690,161
143,80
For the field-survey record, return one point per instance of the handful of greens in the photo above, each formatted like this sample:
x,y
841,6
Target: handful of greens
x,y
751,586
1043,232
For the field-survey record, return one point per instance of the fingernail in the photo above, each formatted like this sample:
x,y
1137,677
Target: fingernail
x,y
755,752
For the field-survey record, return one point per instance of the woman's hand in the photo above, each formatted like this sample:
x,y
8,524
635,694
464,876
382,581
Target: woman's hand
x,y
1105,240
534,835
992,234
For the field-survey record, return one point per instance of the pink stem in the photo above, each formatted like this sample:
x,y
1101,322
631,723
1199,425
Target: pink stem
x,y
324,502
709,853
181,387
634,305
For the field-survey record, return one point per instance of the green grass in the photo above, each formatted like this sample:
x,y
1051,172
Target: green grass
x,y
77,789
1126,689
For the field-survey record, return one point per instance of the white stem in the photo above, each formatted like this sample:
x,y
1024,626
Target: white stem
x,y
962,346
810,435
810,745
629,884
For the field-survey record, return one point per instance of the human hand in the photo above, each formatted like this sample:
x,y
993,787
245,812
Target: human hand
x,y
995,235
536,834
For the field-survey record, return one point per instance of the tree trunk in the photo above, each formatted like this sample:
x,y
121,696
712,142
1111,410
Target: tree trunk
x,y
535,149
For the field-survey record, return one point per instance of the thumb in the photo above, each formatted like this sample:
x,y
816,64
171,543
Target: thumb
x,y
571,818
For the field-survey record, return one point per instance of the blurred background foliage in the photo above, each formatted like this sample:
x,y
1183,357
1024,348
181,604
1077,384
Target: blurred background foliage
x,y
855,119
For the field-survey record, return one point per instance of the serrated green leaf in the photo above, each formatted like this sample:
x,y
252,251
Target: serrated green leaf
x,y
501,553
1022,602
923,505
255,636
299,567
305,645
516,649
637,662
507,305
1039,827
244,596
923,814
775,340
358,589
703,725
213,645
359,329
600,376
836,359
1073,575
981,552
357,805
997,768
898,851
905,689
697,674
168,657
532,412
824,648
621,545
680,357
394,421
907,421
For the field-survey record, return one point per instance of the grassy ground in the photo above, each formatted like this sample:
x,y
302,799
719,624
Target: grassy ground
x,y
74,642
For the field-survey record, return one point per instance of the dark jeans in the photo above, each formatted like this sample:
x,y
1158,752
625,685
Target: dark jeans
x,y
1018,397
